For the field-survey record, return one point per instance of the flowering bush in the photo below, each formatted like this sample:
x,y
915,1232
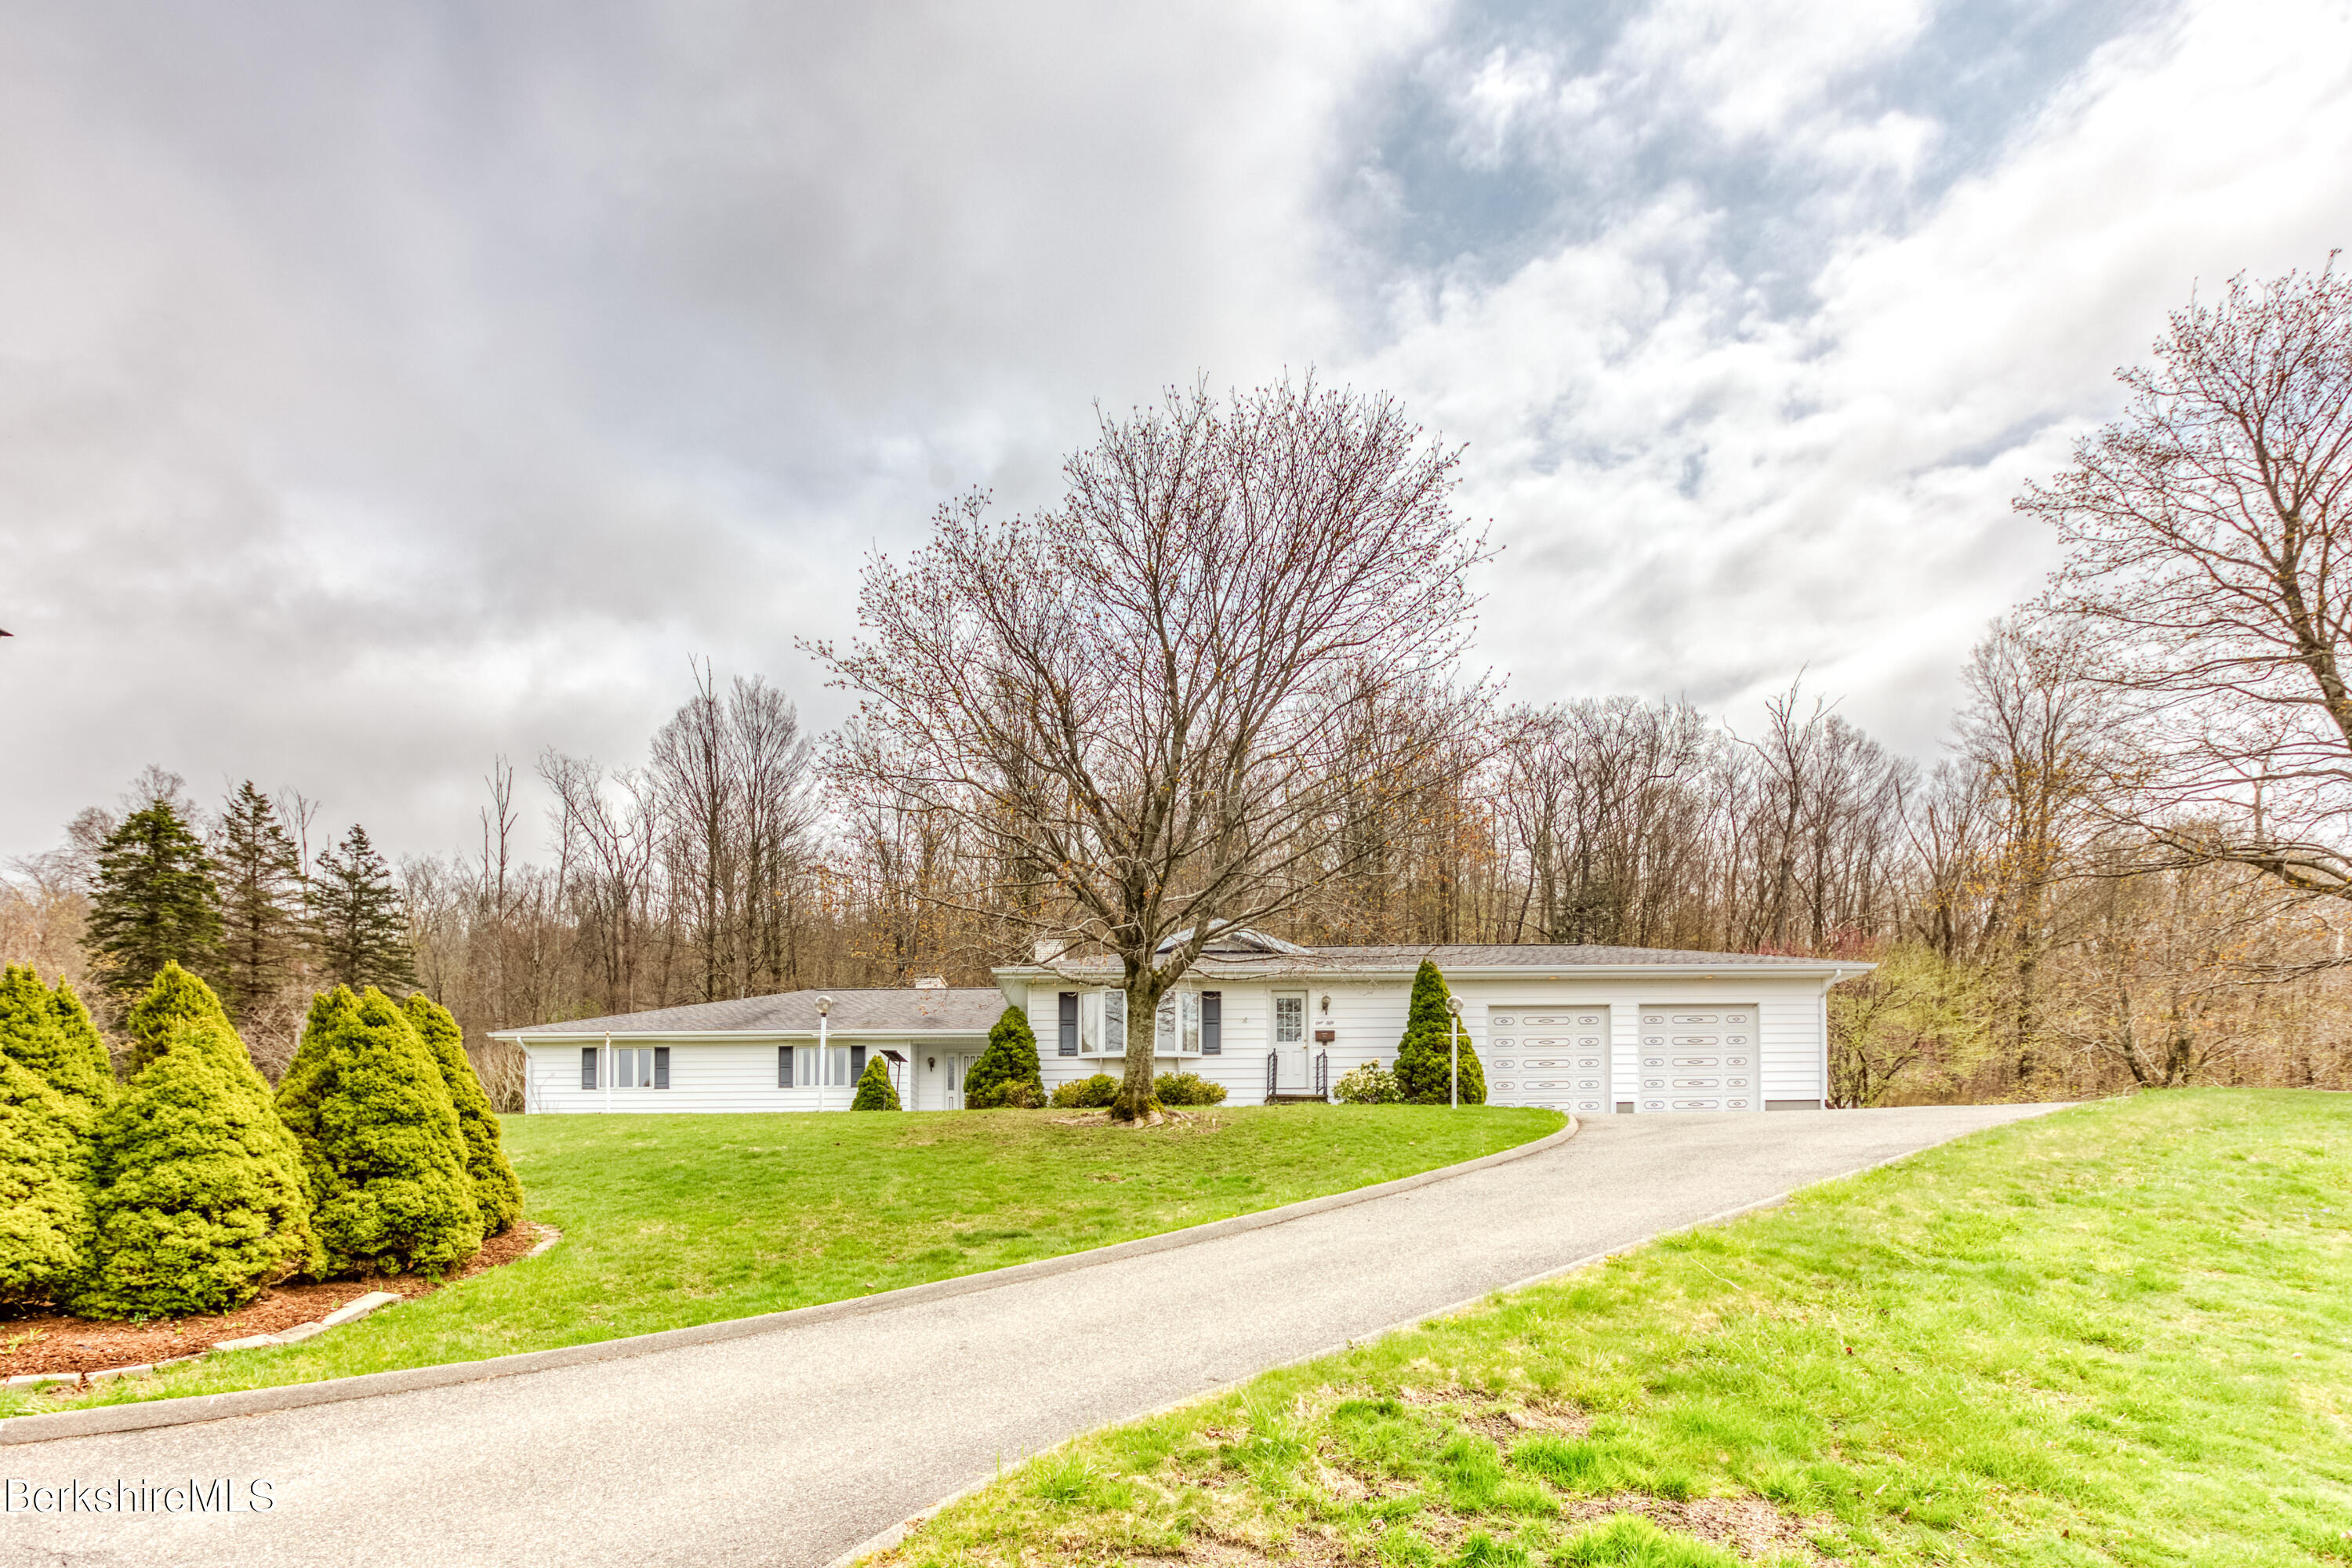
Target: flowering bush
x,y
1370,1084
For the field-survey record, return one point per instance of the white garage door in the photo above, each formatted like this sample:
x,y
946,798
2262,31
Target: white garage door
x,y
1699,1058
1555,1057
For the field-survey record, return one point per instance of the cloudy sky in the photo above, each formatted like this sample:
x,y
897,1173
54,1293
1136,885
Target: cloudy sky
x,y
384,389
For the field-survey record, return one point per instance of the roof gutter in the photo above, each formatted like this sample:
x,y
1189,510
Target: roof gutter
x,y
1842,970
528,1036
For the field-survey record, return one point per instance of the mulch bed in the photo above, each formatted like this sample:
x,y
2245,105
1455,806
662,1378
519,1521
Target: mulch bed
x,y
33,1339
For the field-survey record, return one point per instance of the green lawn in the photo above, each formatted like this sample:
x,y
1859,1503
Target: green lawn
x,y
669,1221
2115,1335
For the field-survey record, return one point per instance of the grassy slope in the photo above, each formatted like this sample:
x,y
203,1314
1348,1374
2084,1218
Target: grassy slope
x,y
674,1220
2115,1335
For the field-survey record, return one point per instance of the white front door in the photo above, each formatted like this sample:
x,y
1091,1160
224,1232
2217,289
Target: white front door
x,y
1292,1074
957,1067
1549,1056
1699,1058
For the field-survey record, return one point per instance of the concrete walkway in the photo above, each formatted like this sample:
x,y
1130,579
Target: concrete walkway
x,y
791,1448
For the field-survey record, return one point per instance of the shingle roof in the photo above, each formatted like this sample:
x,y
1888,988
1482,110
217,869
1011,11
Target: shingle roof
x,y
959,1010
1469,955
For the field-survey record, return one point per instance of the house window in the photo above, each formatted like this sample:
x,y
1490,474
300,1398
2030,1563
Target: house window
x,y
1176,1029
783,1066
1213,1023
587,1066
630,1066
1102,1023
1067,1021
848,1061
1290,1020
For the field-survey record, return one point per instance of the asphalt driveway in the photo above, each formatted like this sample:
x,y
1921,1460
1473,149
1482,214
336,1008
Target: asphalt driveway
x,y
792,1446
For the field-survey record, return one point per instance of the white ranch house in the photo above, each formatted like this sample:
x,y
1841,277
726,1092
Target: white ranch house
x,y
1594,1030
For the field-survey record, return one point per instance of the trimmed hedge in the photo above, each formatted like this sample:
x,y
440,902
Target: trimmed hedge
x,y
1008,1067
1086,1093
31,1036
174,995
1422,1065
1187,1088
496,1193
198,1190
874,1090
380,1140
44,1214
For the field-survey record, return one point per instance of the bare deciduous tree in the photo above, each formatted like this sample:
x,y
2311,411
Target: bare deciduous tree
x,y
1139,698
2206,534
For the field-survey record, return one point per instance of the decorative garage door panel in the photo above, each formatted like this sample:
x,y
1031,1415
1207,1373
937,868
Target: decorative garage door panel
x,y
1699,1058
1555,1057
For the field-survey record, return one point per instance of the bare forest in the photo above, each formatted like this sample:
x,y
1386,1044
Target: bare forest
x,y
2025,947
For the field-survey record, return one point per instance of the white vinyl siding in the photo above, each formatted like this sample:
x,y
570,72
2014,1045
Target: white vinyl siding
x,y
705,1075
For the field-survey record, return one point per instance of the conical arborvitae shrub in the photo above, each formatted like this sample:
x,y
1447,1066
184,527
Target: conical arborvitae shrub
x,y
176,994
83,1042
387,1163
44,1215
496,1191
1422,1066
1009,1063
874,1090
198,1197
30,1037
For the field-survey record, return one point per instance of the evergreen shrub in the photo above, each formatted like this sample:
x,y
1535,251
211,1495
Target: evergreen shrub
x,y
1086,1093
1006,1068
82,1039
1422,1067
874,1090
380,1140
174,995
197,1192
33,1037
1370,1084
496,1193
44,1215
1187,1088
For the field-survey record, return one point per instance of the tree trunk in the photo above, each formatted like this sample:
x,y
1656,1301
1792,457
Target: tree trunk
x,y
1144,987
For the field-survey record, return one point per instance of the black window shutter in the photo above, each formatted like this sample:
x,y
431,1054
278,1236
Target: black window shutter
x,y
1213,1023
783,1066
1067,1017
661,1066
587,1066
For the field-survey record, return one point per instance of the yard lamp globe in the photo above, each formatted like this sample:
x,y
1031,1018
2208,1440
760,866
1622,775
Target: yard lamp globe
x,y
823,1041
1454,1050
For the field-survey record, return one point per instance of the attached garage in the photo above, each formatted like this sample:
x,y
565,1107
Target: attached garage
x,y
1549,1056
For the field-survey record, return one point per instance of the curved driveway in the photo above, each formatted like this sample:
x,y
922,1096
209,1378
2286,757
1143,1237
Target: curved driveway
x,y
791,1448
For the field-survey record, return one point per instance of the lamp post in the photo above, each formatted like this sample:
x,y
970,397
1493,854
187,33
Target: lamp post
x,y
824,1055
1454,1050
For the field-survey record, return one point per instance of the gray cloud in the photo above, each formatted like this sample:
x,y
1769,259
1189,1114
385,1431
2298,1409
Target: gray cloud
x,y
382,388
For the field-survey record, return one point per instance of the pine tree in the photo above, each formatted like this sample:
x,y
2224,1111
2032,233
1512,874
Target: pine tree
x,y
1424,1068
151,899
380,1139
358,931
875,1091
174,996
44,1214
258,874
496,1193
30,1035
81,1036
1008,1063
198,1195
